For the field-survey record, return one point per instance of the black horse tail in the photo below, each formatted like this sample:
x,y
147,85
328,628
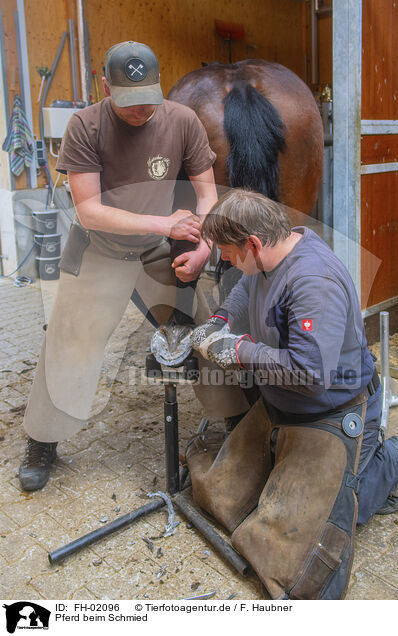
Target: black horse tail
x,y
255,133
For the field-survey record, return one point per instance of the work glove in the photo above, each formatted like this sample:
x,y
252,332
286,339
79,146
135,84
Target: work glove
x,y
216,323
221,347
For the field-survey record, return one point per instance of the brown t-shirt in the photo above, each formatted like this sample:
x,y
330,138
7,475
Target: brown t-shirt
x,y
138,164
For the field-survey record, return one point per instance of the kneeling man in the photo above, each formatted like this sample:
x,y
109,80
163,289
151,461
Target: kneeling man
x,y
307,461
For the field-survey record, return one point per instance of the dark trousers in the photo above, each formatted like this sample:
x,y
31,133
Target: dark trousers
x,y
378,463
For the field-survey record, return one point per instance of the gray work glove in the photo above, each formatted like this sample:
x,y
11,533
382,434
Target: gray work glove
x,y
216,323
221,347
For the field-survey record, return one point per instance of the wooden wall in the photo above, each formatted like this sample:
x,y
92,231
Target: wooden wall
x,y
180,31
44,26
379,232
379,192
379,59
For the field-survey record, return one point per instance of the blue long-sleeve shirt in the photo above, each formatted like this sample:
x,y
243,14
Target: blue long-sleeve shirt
x,y
309,352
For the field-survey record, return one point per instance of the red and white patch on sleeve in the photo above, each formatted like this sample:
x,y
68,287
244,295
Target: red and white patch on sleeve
x,y
307,324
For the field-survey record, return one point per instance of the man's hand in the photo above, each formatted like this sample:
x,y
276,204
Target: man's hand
x,y
222,348
183,226
215,324
188,266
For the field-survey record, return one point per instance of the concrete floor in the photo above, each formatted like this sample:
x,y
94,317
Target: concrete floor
x,y
106,471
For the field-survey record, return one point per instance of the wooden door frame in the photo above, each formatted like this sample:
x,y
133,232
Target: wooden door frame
x,y
348,127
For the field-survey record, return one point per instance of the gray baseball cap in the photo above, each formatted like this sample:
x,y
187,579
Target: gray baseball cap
x,y
132,73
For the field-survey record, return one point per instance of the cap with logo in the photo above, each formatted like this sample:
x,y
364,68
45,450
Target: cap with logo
x,y
132,73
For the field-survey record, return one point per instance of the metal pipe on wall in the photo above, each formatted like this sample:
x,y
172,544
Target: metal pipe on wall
x,y
24,78
314,43
4,70
82,52
72,49
88,62
42,104
326,194
5,92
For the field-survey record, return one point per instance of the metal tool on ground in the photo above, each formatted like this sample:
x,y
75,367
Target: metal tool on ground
x,y
166,347
201,597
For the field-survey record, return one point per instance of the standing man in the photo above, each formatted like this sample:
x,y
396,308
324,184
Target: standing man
x,y
306,463
122,156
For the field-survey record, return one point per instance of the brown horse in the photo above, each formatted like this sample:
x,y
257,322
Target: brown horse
x,y
264,125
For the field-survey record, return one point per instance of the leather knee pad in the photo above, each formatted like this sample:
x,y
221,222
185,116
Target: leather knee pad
x,y
228,476
300,537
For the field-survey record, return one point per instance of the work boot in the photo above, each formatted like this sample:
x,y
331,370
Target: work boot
x,y
35,468
232,421
391,505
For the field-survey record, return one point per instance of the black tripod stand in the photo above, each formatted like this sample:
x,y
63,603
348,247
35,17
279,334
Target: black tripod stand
x,y
176,483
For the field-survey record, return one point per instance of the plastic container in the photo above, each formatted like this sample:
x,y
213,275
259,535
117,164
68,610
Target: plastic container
x,y
45,221
48,267
48,244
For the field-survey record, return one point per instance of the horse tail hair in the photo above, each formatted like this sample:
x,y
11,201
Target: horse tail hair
x,y
255,133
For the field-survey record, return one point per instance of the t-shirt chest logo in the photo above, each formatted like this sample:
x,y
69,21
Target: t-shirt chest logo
x,y
158,167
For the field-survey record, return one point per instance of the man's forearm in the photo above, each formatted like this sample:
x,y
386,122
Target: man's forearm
x,y
206,197
104,218
293,372
204,204
237,305
204,248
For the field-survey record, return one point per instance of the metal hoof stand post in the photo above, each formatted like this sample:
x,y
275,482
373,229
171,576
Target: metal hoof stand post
x,y
175,483
388,398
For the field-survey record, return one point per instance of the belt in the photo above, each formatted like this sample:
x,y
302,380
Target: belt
x,y
368,391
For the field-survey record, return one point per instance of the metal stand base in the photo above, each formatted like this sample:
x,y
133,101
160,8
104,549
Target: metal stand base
x,y
176,483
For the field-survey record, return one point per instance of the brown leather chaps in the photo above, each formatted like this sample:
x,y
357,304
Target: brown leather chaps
x,y
286,490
